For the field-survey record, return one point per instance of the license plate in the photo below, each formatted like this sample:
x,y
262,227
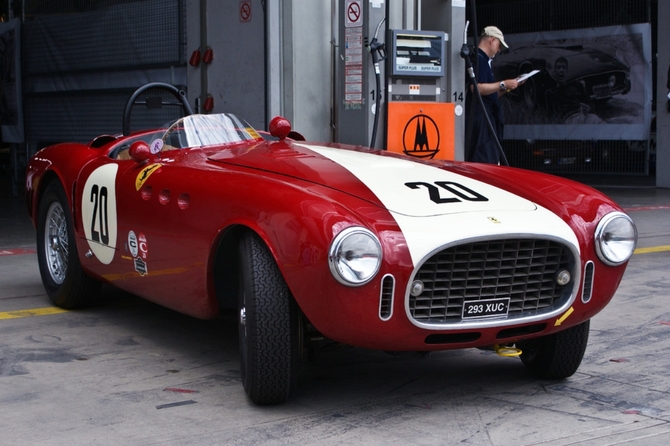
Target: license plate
x,y
476,309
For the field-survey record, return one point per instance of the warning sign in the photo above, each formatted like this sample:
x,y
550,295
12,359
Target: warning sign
x,y
353,13
421,129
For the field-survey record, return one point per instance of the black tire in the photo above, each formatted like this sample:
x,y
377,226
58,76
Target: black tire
x,y
556,356
268,323
66,284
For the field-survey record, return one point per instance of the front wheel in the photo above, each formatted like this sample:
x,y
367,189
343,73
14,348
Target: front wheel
x,y
556,356
66,284
268,322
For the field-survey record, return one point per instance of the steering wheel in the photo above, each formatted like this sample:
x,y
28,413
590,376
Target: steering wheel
x,y
180,95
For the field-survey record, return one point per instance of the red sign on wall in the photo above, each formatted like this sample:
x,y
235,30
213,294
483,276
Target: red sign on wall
x,y
245,11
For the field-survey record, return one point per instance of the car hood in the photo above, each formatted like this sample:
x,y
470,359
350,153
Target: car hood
x,y
396,183
433,206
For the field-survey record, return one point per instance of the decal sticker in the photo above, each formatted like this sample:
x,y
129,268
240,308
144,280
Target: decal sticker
x,y
252,132
460,191
141,267
98,212
137,245
156,146
132,243
142,245
144,175
563,318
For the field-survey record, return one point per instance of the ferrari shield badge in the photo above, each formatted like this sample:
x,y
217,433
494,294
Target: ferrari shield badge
x,y
144,175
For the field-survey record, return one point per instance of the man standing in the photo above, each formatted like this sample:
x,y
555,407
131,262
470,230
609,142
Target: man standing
x,y
483,147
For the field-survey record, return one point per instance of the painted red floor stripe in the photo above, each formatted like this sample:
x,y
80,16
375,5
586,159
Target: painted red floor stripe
x,y
17,251
646,208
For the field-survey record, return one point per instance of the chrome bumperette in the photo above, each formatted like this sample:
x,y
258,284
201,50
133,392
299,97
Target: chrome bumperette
x,y
521,268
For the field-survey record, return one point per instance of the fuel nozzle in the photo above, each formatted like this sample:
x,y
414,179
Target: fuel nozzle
x,y
466,52
377,48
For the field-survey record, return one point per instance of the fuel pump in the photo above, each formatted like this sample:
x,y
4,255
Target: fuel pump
x,y
374,98
420,118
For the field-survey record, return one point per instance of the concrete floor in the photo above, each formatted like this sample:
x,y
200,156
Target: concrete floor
x,y
131,373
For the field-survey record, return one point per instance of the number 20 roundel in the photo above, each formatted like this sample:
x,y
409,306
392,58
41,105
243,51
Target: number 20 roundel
x,y
98,211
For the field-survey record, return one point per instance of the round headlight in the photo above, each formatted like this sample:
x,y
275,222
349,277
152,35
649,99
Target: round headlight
x,y
355,256
615,238
612,81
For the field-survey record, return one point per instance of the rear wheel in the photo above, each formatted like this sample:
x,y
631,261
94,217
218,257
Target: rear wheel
x,y
268,326
66,284
556,356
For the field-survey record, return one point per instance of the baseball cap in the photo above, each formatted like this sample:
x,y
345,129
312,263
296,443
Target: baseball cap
x,y
493,31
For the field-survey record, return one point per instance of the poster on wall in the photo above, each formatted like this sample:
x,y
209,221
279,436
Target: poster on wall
x,y
592,84
11,114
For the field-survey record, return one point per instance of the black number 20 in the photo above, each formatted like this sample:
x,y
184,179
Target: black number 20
x,y
99,220
458,192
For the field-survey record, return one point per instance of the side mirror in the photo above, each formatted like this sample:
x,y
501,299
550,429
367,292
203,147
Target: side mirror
x,y
140,151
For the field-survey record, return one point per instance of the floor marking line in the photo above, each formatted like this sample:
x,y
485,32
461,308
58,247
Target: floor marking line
x,y
16,251
652,249
31,312
646,208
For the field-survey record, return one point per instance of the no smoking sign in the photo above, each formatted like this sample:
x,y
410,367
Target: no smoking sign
x,y
353,13
245,11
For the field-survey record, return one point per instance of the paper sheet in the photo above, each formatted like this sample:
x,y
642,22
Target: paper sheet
x,y
523,77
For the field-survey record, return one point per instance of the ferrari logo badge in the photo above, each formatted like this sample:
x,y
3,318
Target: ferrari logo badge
x,y
144,175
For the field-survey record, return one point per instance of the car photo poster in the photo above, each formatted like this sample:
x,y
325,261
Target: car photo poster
x,y
592,83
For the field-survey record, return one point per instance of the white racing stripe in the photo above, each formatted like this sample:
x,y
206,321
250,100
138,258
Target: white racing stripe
x,y
435,207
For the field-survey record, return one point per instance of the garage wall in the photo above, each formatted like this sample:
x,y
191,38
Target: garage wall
x,y
307,62
235,78
270,58
663,107
80,68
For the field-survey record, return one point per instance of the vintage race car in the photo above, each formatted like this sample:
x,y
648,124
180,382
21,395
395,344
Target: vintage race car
x,y
307,241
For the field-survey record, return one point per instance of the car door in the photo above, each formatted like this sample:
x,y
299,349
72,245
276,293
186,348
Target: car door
x,y
142,235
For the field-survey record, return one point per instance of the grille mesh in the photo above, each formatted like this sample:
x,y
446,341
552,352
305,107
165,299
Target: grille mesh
x,y
523,270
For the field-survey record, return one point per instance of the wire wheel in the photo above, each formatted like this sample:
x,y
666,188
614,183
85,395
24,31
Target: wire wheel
x,y
56,244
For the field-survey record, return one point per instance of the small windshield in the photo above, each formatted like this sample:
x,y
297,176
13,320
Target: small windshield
x,y
204,130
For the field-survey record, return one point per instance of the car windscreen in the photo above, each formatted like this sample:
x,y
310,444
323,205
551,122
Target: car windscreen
x,y
206,130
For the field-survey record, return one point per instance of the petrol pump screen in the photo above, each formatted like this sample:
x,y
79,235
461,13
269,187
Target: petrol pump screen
x,y
418,53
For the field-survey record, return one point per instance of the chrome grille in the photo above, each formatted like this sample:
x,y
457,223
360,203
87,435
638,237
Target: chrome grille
x,y
523,270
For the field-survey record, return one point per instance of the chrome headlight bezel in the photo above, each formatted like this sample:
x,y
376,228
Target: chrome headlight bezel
x,y
355,256
615,238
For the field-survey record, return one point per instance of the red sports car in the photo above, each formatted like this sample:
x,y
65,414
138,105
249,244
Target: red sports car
x,y
359,246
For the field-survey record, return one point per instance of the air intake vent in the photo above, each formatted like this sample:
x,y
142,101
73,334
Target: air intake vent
x,y
386,299
587,291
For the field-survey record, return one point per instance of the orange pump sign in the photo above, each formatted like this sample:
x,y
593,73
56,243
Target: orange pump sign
x,y
421,129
